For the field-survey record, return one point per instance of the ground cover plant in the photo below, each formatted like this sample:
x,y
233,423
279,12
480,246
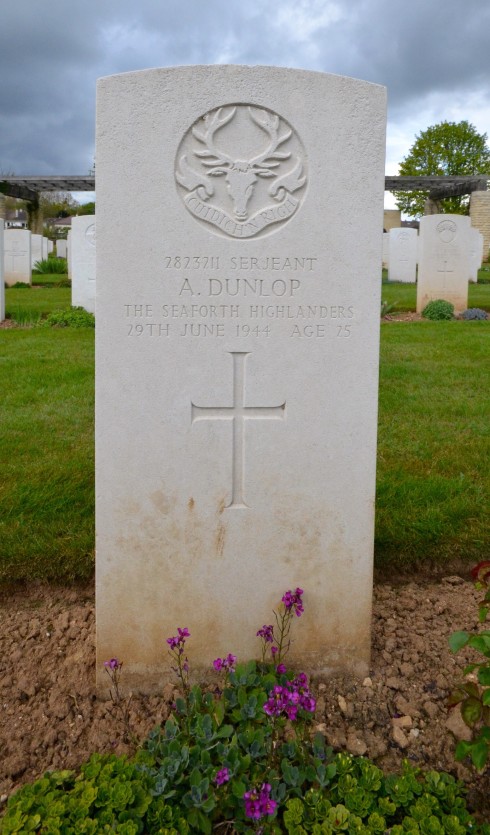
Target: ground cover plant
x,y
240,757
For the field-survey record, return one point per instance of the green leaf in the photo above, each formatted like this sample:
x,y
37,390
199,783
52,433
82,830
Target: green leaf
x,y
479,754
458,640
486,697
471,710
484,676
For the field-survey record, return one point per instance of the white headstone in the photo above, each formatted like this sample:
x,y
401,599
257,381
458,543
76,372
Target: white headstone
x,y
444,260
61,248
82,249
476,253
386,249
36,249
50,246
17,252
45,248
2,281
237,361
402,255
68,252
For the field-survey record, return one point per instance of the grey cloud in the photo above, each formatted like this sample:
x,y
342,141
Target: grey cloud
x,y
52,52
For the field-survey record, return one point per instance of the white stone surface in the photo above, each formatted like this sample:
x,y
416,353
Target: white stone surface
x,y
237,361
476,253
50,246
444,260
68,252
36,249
61,249
45,245
402,257
17,252
2,281
82,250
386,250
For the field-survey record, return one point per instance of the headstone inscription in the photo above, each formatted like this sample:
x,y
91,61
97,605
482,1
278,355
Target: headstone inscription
x,y
82,248
2,281
402,257
476,253
17,256
444,260
238,359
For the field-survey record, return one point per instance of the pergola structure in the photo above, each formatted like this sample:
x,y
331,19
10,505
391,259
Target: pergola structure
x,y
28,188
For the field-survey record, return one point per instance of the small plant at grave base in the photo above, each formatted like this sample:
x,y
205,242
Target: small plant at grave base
x,y
51,266
438,310
75,317
240,760
278,642
474,314
121,704
387,308
473,694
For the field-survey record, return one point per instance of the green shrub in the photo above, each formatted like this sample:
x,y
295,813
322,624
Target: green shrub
x,y
51,266
75,317
438,310
20,285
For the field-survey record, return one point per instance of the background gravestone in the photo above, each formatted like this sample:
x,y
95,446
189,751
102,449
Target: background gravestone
x,y
36,249
476,253
82,255
237,361
61,248
17,256
402,258
444,260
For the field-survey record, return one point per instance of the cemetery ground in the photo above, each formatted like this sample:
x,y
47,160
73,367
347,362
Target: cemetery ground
x,y
432,525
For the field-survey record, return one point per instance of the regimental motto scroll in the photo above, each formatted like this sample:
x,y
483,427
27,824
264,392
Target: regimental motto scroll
x,y
241,169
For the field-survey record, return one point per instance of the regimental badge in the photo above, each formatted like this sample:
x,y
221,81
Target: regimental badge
x,y
242,170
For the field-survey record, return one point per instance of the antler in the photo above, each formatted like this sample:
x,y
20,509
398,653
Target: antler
x,y
270,125
213,123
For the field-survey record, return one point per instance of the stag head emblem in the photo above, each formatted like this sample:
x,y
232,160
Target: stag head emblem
x,y
206,157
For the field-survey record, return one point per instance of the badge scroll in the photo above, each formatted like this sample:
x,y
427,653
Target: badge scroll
x,y
241,169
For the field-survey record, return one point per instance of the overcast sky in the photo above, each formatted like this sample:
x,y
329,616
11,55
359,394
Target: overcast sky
x,y
433,57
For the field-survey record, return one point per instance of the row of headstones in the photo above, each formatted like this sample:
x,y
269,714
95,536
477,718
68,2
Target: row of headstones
x,y
448,251
21,250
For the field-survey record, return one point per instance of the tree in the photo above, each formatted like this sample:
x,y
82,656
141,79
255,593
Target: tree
x,y
446,149
57,203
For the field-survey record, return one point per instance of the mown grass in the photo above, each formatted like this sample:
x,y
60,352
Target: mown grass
x,y
46,454
404,296
28,304
433,451
433,485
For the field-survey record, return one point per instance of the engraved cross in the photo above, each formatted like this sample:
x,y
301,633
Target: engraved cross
x,y
238,414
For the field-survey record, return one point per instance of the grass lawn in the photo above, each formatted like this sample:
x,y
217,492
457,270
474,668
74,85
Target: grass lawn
x,y
404,296
433,489
28,304
46,453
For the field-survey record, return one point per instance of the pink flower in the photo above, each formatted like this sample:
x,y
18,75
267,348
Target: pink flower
x,y
113,664
222,776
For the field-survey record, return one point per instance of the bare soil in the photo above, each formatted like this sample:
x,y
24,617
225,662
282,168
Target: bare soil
x,y
50,717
